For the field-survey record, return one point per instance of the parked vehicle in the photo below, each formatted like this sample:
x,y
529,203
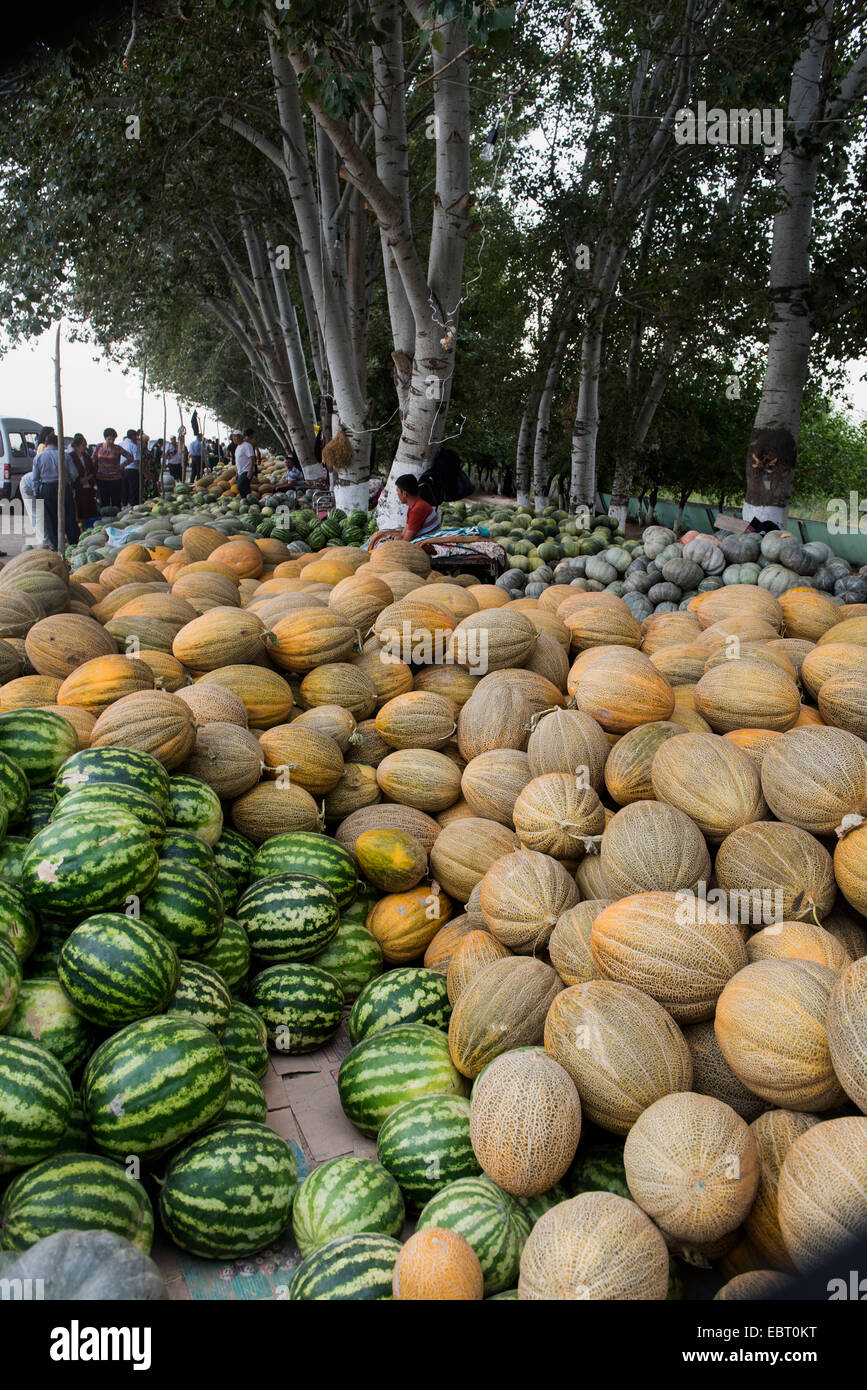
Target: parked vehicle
x,y
17,451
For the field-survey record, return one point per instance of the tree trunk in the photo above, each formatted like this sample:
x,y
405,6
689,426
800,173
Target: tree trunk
x,y
522,453
585,429
543,420
625,470
678,517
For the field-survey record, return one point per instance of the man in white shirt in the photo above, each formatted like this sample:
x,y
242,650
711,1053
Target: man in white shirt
x,y
246,456
130,485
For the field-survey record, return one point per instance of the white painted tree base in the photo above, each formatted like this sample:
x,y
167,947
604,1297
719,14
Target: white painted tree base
x,y
619,515
541,503
352,497
523,499
778,515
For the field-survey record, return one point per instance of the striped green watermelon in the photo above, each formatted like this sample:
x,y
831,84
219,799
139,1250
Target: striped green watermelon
x,y
75,1138
4,820
84,864
126,767
185,905
35,1103
246,1097
152,1084
75,1192
201,995
233,859
38,741
534,1207
42,961
45,1015
230,954
599,1168
229,1193
12,851
299,1004
393,1066
117,969
410,994
288,917
38,812
193,805
190,849
104,800
425,1145
11,980
14,788
342,1197
349,1269
352,956
306,852
489,1219
509,1295
17,923
245,1039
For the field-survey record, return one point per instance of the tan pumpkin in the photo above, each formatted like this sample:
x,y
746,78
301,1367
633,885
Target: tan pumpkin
x,y
774,1132
356,788
502,1007
214,704
525,1119
566,740
153,722
223,636
227,757
799,941
57,645
847,1031
620,696
242,556
206,591
569,946
29,692
99,682
491,783
269,809
404,924
770,1025
782,870
558,815
265,695
712,1075
650,846
692,1164
747,694
595,1246
419,777
465,850
522,895
340,683
710,780
832,659
621,1048
821,1192
672,946
471,954
398,554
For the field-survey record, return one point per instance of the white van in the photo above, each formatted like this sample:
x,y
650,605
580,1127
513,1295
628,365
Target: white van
x,y
17,451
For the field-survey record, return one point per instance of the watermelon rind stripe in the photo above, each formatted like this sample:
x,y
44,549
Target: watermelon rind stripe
x,y
396,1065
425,1145
122,766
410,994
116,969
75,1192
349,1269
489,1220
299,1004
35,1103
345,1196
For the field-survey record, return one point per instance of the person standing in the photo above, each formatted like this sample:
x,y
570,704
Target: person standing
x,y
34,507
45,483
173,458
196,457
110,460
86,505
130,482
246,458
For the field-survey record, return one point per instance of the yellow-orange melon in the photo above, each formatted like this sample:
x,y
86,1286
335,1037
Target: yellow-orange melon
x,y
814,777
565,740
821,1193
404,924
502,1007
492,782
291,752
774,1131
781,869
649,846
98,683
269,809
437,1264
712,1075
151,721
847,1031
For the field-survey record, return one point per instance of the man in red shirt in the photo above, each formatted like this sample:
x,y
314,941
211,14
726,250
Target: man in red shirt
x,y
421,519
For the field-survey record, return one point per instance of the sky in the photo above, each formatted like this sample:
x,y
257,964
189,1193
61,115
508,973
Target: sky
x,y
95,391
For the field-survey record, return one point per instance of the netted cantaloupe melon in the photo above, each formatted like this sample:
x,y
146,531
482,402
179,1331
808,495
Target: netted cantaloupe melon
x,y
672,946
294,753
464,852
649,846
491,783
569,946
847,1031
439,953
387,817
842,701
565,740
558,814
628,765
621,1048
504,1006
596,1246
829,659
710,780
268,810
736,601
437,1264
471,954
774,1132
783,870
752,1285
417,719
814,777
712,1075
771,1027
747,694
850,866
621,695
692,1164
522,895
525,1122
798,941
821,1192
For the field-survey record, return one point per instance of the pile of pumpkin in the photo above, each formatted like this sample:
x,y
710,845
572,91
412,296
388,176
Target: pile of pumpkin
x,y
595,798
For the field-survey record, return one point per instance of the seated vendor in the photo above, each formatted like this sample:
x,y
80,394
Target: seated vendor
x,y
421,519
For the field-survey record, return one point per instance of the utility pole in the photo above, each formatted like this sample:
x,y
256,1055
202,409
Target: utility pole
x,y
61,452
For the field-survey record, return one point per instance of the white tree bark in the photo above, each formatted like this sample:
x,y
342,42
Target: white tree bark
x,y
543,418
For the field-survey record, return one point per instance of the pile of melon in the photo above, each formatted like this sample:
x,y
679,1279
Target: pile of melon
x,y
620,874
